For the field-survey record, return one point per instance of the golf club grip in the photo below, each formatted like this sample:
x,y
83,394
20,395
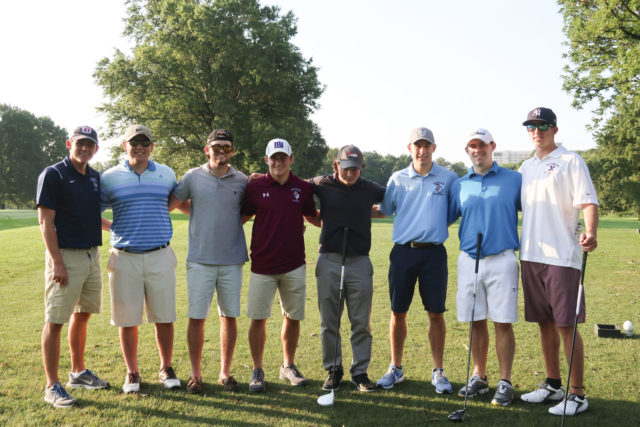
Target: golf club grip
x,y
478,246
584,266
344,244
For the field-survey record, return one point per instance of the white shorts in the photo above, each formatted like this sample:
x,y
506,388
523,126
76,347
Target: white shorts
x,y
292,287
497,290
203,280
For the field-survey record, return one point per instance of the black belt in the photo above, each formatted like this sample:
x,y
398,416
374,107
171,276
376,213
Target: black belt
x,y
420,244
166,245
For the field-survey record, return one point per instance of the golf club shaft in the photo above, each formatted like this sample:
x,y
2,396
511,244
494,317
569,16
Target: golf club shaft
x,y
575,329
473,313
344,258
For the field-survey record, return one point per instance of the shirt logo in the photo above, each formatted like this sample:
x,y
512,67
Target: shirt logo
x,y
265,195
551,167
438,188
94,181
71,181
296,195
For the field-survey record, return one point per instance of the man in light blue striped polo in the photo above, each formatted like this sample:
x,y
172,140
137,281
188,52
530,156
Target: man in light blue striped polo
x,y
142,265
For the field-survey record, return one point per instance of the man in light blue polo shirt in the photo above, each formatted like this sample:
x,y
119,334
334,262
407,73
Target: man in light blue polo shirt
x,y
488,199
418,197
142,265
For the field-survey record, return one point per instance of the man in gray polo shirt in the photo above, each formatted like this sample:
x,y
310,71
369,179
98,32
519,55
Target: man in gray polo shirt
x,y
217,251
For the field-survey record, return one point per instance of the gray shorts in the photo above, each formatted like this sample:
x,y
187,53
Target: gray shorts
x,y
203,280
292,289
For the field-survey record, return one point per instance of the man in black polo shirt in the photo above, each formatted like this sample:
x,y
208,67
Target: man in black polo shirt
x,y
346,200
68,200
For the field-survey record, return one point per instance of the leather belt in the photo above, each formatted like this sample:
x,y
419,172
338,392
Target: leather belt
x,y
419,244
166,245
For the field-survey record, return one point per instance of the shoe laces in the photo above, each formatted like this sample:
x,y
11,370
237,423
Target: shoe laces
x,y
257,374
91,374
503,387
132,377
58,389
296,373
439,375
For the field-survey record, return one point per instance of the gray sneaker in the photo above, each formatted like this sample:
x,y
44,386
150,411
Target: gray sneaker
x,y
292,374
503,395
59,397
256,383
86,379
474,387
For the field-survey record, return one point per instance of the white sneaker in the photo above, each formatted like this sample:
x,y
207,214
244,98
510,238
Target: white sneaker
x,y
131,383
545,393
575,406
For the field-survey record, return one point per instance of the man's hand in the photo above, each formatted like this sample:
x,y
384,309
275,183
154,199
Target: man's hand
x,y
60,275
588,242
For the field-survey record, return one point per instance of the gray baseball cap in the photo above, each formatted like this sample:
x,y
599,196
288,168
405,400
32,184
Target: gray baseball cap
x,y
421,133
135,130
350,156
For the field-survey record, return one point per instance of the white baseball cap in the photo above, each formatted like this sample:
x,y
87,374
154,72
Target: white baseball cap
x,y
278,145
481,134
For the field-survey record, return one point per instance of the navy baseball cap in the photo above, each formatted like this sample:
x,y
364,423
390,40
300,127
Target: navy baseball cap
x,y
85,132
541,114
220,135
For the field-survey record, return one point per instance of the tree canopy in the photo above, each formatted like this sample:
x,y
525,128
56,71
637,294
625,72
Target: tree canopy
x,y
604,74
27,145
202,64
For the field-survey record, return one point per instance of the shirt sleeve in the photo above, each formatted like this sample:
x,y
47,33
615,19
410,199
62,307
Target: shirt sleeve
x,y
182,190
583,190
453,212
248,207
388,205
105,198
46,191
309,207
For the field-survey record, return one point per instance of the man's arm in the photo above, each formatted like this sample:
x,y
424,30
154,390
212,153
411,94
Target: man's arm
x,y
50,238
375,212
314,220
589,239
175,202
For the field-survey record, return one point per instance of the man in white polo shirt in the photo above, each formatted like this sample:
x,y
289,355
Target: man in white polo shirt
x,y
556,186
217,252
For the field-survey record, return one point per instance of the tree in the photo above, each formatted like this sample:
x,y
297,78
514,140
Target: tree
x,y
604,70
27,145
203,64
458,167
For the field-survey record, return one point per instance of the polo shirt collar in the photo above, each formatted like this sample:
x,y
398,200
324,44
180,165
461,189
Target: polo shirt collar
x,y
494,169
271,181
230,172
71,169
434,171
336,180
559,151
151,167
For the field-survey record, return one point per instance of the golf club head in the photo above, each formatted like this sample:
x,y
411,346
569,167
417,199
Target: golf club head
x,y
326,399
457,416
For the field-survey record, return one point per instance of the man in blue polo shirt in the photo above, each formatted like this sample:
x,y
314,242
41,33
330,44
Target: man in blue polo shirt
x,y
142,265
68,200
418,197
488,199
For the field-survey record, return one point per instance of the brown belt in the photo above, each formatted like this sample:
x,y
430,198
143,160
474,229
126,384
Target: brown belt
x,y
419,244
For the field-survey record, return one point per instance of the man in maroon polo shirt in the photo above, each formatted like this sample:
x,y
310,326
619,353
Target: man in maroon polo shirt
x,y
278,200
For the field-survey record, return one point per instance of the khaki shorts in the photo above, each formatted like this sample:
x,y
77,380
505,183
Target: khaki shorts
x,y
497,290
203,280
292,289
83,291
145,279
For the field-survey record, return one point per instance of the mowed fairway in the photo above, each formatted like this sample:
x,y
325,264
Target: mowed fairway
x,y
612,366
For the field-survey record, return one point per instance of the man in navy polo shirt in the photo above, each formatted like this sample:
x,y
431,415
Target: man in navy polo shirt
x,y
417,195
68,200
278,200
488,199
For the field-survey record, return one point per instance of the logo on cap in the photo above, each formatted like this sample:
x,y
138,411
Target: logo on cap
x,y
423,132
86,130
278,144
353,154
537,112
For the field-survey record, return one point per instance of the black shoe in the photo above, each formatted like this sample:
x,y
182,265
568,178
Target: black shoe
x,y
362,382
334,378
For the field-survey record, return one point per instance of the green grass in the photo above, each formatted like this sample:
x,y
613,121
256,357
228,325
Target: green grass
x,y
611,365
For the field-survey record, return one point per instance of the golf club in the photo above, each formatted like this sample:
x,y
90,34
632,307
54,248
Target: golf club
x,y
459,415
327,399
575,328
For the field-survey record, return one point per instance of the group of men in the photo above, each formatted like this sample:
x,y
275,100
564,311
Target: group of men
x,y
551,189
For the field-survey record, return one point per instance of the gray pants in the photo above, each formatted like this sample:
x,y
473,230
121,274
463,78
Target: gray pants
x,y
357,292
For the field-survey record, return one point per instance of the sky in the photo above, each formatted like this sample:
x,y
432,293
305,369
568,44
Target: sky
x,y
387,67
